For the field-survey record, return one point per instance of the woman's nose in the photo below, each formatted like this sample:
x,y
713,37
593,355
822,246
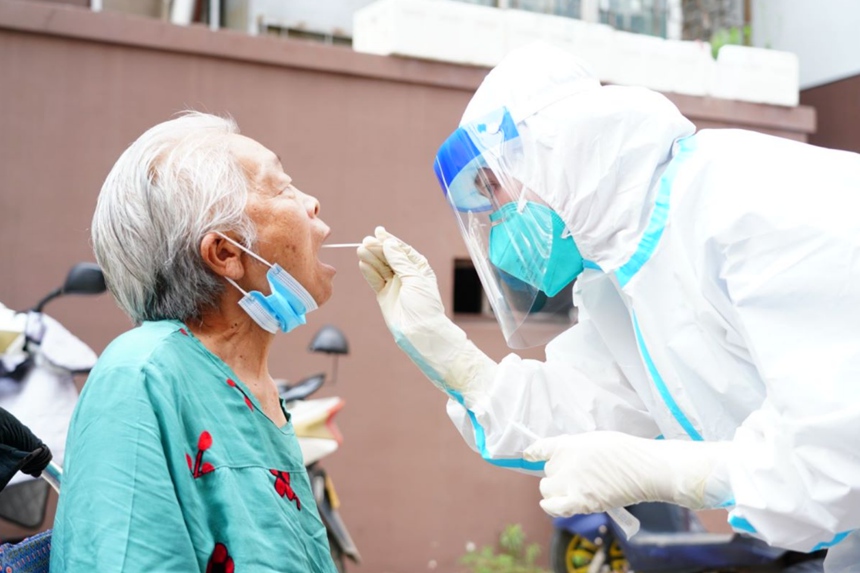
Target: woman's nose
x,y
312,204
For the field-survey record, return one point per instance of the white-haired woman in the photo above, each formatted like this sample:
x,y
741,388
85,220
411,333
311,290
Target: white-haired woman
x,y
181,456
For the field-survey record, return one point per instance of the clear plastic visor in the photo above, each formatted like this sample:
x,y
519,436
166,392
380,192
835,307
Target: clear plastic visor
x,y
507,228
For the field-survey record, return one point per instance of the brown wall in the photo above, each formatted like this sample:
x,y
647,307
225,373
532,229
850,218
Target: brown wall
x,y
838,108
357,131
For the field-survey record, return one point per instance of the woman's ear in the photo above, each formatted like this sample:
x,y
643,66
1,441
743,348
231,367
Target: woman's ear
x,y
222,257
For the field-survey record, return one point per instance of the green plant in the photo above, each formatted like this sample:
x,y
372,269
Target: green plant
x,y
736,36
512,555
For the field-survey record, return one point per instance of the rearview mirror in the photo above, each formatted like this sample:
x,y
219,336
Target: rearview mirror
x,y
85,278
330,340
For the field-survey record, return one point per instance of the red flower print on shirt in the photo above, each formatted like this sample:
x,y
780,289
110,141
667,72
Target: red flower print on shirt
x,y
247,400
220,560
203,444
282,486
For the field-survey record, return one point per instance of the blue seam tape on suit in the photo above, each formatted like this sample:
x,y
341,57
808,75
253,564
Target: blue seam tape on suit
x,y
481,444
661,386
657,224
836,539
644,251
480,435
740,523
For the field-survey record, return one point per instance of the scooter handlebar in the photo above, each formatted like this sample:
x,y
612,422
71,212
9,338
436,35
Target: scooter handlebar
x,y
625,521
53,474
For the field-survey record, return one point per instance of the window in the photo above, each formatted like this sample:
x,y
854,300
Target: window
x,y
705,19
296,34
468,293
637,16
470,300
568,8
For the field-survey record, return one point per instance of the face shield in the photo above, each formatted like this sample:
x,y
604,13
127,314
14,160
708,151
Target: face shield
x,y
521,249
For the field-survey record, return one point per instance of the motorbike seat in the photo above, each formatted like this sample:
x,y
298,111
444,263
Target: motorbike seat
x,y
301,390
33,555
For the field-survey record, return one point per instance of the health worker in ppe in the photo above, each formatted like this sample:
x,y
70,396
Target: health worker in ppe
x,y
716,358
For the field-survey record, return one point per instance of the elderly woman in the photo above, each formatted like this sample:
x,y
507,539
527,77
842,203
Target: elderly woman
x,y
181,456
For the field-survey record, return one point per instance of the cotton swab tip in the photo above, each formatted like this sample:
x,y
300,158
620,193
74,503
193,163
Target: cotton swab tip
x,y
341,245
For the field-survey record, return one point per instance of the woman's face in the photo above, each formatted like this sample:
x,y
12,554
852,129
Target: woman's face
x,y
289,231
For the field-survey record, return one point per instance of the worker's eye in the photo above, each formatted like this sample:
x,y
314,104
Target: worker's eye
x,y
489,188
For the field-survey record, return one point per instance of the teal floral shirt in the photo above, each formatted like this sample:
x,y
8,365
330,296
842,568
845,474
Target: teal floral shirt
x,y
171,465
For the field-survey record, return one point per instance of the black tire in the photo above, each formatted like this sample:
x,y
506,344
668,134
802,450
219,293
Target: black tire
x,y
572,553
558,550
336,555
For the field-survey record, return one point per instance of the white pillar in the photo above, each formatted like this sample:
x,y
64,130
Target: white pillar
x,y
674,20
181,12
214,14
590,10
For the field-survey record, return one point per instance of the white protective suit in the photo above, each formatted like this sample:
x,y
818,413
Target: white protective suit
x,y
726,307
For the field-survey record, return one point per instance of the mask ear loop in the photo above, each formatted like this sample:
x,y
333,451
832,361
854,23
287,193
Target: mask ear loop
x,y
240,289
256,256
244,248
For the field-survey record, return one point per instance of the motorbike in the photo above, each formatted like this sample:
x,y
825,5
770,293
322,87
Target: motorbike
x,y
319,437
39,360
671,539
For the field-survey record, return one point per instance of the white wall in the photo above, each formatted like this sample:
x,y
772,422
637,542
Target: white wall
x,y
825,35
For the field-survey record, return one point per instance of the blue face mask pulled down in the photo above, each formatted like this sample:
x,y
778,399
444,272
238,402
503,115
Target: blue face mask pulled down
x,y
285,308
527,243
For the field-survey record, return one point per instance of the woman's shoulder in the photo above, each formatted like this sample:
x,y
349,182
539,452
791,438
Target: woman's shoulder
x,y
142,343
150,352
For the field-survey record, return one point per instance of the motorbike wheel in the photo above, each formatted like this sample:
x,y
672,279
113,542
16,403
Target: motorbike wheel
x,y
573,553
337,555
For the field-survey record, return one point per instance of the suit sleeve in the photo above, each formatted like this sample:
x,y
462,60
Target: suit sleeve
x,y
580,387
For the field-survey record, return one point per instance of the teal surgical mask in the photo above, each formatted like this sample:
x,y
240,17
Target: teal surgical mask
x,y
529,243
285,308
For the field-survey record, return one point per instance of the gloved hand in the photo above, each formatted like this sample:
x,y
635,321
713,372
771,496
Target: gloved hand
x,y
598,471
20,450
408,296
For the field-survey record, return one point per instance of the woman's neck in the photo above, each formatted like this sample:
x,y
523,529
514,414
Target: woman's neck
x,y
230,334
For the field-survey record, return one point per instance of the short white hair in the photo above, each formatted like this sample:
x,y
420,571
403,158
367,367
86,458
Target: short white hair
x,y
173,185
